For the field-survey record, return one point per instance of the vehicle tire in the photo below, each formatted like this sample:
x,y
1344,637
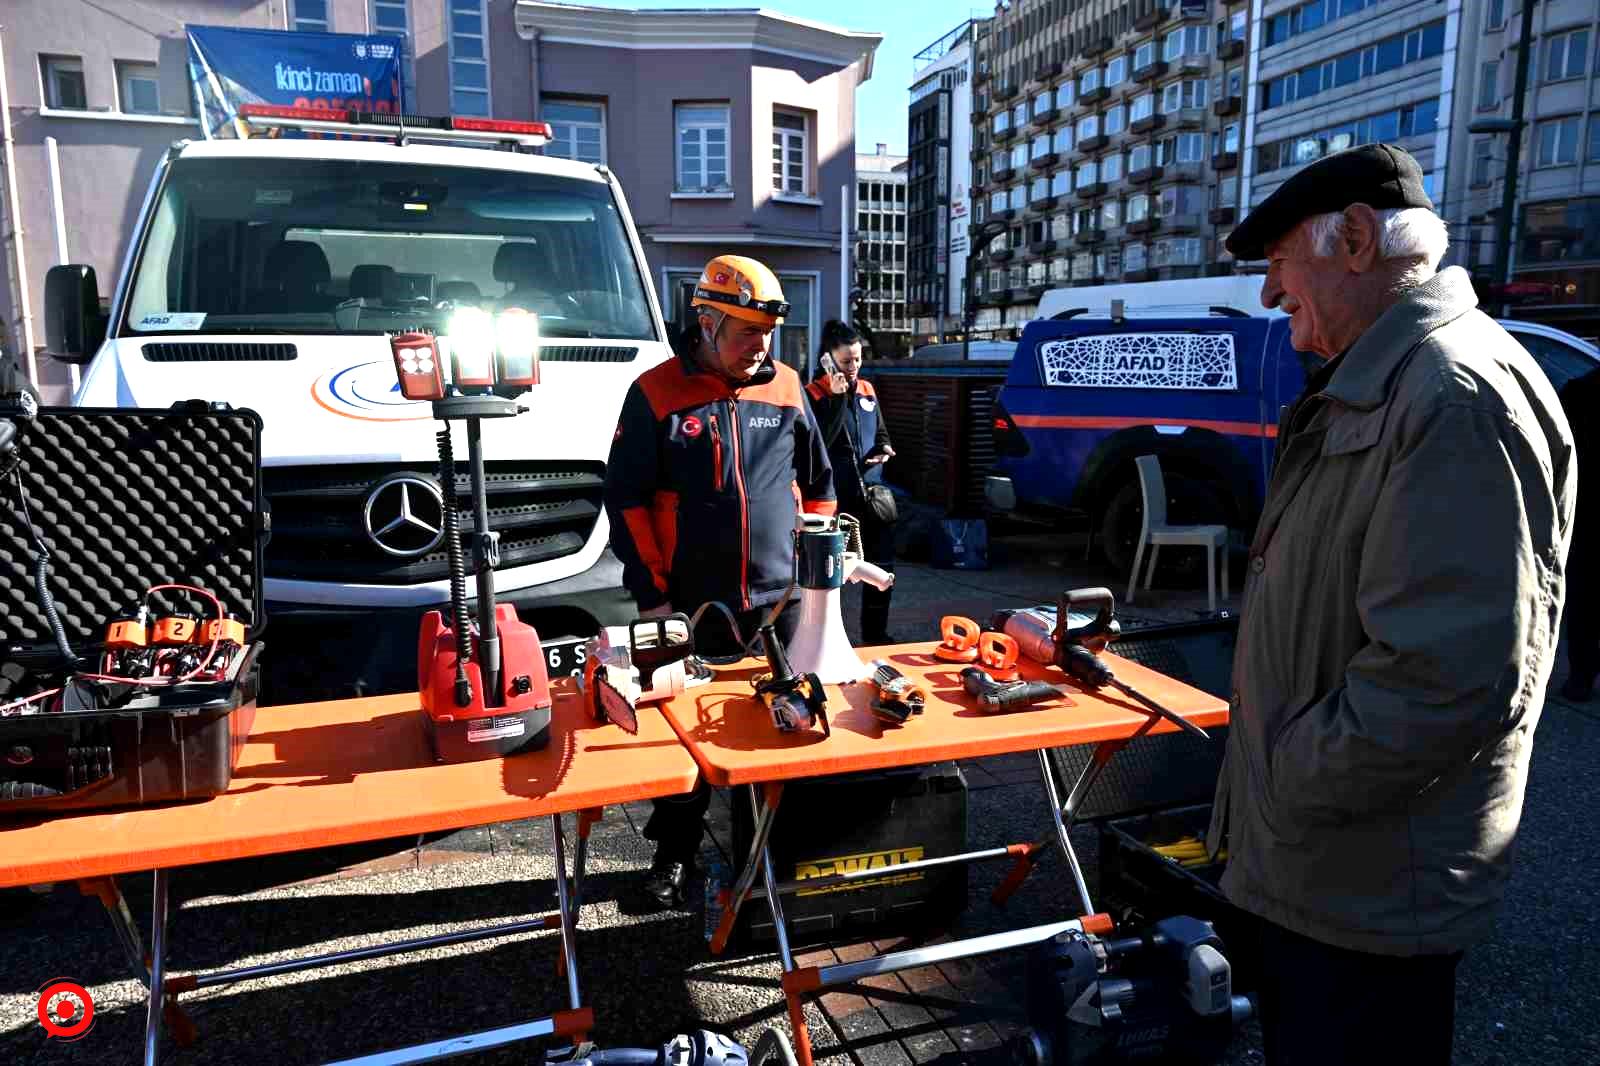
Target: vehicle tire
x,y
1190,501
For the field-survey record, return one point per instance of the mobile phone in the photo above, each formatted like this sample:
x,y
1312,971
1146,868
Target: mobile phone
x,y
828,365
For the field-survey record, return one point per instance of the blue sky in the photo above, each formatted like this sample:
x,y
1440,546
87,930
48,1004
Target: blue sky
x,y
908,26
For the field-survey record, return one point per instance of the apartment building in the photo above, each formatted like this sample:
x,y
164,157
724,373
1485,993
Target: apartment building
x,y
1327,75
939,175
1555,248
743,141
879,295
1108,143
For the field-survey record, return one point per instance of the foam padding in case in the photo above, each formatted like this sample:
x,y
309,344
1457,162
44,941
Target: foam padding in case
x,y
126,499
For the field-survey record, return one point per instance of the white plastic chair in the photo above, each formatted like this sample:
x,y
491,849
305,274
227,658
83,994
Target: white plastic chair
x,y
1156,532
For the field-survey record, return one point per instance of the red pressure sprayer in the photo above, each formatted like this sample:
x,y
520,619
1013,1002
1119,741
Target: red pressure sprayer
x,y
483,686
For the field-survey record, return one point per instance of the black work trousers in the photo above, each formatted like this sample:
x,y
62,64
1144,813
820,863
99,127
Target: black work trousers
x,y
877,543
1328,1006
677,822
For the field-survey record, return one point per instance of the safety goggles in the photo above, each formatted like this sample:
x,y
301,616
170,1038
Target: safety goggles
x,y
775,308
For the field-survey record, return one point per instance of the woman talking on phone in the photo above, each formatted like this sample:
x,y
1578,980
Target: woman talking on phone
x,y
853,431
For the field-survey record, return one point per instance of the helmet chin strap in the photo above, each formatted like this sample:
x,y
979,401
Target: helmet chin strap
x,y
709,345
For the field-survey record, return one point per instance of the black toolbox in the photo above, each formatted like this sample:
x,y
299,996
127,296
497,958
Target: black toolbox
x,y
874,820
126,499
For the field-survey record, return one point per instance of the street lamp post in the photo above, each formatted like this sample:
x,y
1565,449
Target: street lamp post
x,y
981,236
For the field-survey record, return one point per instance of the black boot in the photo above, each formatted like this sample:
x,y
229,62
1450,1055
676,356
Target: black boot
x,y
668,881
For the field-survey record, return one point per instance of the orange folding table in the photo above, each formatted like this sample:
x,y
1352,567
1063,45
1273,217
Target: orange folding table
x,y
322,774
732,737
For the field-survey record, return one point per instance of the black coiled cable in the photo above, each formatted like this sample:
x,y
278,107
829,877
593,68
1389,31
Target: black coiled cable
x,y
41,577
458,566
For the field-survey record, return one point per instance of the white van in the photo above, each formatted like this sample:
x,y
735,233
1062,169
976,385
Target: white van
x,y
268,273
1163,299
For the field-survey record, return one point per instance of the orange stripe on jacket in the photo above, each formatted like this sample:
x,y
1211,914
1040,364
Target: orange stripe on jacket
x,y
664,513
645,543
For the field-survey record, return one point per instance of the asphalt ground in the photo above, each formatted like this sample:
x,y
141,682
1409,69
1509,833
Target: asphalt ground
x,y
1527,996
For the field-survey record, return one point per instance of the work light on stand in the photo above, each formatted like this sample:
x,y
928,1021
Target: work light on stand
x,y
472,344
517,341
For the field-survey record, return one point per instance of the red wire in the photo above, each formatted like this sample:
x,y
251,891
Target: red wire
x,y
152,680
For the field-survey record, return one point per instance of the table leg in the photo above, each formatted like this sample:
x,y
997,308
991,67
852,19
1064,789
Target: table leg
x,y
1103,754
564,898
158,969
766,814
797,1013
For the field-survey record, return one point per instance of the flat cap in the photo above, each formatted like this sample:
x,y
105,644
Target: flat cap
x,y
1378,175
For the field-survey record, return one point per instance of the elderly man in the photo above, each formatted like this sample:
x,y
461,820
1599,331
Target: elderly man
x,y
1399,621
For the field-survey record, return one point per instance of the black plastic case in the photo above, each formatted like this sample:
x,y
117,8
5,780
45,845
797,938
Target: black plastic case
x,y
126,499
873,820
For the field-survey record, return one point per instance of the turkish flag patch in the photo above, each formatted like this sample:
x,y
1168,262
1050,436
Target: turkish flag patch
x,y
691,426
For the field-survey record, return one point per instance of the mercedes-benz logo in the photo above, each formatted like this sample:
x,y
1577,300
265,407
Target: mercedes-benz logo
x,y
404,515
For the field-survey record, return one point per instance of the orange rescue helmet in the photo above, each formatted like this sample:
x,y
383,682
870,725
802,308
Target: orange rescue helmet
x,y
742,287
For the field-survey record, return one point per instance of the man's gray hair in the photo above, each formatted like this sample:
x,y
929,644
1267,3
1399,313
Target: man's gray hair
x,y
1413,234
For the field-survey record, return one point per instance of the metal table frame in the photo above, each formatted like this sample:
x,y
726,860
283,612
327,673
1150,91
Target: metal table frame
x,y
151,968
798,981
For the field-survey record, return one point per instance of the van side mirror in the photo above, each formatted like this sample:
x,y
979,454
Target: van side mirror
x,y
73,323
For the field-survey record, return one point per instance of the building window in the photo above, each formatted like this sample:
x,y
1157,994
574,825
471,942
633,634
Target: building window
x,y
1489,86
1497,14
1482,158
138,88
1557,142
997,200
1419,119
791,169
1088,126
469,62
1002,122
1042,103
1143,106
1018,198
389,16
1144,55
1594,138
1111,168
579,128
1089,81
1388,54
1040,190
792,341
1041,145
1184,94
1138,159
1116,72
1063,140
1184,148
1114,121
1088,174
1061,184
1133,258
1566,56
309,15
63,83
1019,115
702,148
1019,156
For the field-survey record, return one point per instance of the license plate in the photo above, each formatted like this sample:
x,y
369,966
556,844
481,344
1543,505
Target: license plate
x,y
563,658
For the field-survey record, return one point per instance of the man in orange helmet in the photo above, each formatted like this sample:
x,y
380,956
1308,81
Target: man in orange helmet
x,y
719,445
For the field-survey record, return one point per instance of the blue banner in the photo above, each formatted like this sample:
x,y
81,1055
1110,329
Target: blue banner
x,y
330,71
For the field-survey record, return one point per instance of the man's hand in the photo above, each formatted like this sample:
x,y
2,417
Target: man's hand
x,y
878,458
657,612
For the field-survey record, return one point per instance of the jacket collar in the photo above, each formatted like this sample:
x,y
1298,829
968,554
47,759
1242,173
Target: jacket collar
x,y
1368,367
693,364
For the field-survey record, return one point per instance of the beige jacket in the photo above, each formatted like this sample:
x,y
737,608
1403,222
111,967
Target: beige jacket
x,y
1398,628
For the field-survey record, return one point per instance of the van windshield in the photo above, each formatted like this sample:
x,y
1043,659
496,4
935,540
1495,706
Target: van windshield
x,y
346,246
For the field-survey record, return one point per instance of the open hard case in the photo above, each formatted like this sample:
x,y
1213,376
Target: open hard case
x,y
124,500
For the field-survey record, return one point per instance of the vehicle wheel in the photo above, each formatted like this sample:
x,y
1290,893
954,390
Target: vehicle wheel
x,y
1189,502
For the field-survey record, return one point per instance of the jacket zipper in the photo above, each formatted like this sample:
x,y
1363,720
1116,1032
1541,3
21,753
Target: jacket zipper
x,y
716,455
744,508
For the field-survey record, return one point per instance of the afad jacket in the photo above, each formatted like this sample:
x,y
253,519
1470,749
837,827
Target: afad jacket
x,y
705,481
852,428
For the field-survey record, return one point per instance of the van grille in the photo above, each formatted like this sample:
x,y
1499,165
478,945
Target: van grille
x,y
542,511
219,352
579,353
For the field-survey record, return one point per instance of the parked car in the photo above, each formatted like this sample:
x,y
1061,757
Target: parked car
x,y
976,352
1085,395
269,272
